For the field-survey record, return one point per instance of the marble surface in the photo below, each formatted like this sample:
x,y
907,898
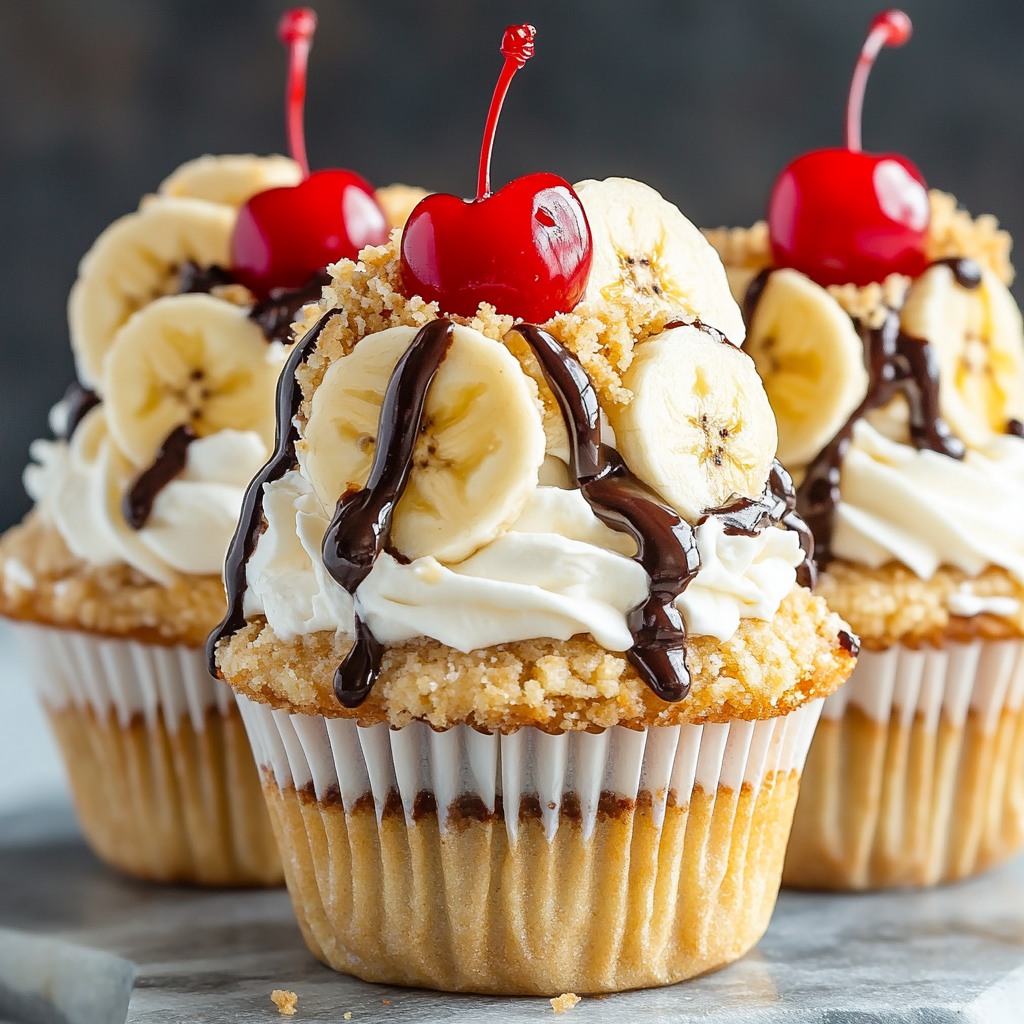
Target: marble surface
x,y
953,954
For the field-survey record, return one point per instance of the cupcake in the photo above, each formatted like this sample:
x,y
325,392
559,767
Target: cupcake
x,y
893,356
113,581
514,614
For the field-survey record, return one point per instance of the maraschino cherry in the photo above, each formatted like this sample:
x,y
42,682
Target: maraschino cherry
x,y
842,216
283,236
526,249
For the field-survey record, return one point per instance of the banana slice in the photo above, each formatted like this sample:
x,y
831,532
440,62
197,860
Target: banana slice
x,y
135,261
398,201
477,457
188,359
979,338
231,180
699,429
644,247
811,360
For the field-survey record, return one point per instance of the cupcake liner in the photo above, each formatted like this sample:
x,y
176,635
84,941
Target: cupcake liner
x,y
916,773
160,768
633,857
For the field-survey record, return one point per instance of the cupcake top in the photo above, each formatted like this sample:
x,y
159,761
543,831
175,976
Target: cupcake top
x,y
172,414
907,393
568,524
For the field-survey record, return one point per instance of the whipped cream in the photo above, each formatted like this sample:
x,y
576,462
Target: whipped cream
x,y
925,510
78,484
557,572
740,577
964,602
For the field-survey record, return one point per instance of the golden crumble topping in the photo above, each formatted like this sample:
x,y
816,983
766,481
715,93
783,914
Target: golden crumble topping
x,y
42,581
893,605
766,669
871,303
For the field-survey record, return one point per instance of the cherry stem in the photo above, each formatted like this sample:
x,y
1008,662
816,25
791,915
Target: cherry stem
x,y
517,48
295,30
890,28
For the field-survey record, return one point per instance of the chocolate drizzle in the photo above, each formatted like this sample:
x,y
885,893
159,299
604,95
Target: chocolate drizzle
x,y
250,521
170,461
897,363
665,542
966,271
275,314
361,527
79,402
194,279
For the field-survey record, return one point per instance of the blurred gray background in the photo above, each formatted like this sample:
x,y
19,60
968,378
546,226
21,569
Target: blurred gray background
x,y
100,99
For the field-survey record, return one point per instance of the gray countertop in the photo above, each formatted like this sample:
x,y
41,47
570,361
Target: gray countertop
x,y
953,954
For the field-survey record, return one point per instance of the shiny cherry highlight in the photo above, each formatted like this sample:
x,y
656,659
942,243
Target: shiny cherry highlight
x,y
844,216
525,249
284,236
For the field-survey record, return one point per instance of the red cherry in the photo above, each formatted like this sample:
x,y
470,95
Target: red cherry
x,y
526,249
842,216
283,236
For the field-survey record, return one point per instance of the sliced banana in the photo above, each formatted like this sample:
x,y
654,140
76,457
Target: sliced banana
x,y
478,455
231,180
188,359
644,247
398,201
811,360
979,338
136,260
699,429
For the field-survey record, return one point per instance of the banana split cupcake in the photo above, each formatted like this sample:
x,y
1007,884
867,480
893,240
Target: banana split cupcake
x,y
514,618
893,354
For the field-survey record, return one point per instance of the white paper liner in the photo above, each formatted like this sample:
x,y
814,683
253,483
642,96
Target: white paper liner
x,y
336,755
72,667
984,676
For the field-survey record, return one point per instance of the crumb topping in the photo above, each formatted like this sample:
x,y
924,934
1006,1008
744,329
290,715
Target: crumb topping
x,y
746,248
893,605
566,1001
42,581
284,1001
872,303
764,670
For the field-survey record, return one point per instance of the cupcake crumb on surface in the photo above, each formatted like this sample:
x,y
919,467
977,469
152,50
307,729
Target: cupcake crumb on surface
x,y
285,1001
765,669
566,1001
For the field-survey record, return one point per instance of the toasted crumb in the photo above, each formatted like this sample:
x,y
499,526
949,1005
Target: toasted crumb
x,y
348,1015
893,605
954,232
42,581
285,1001
566,1001
742,247
766,669
871,303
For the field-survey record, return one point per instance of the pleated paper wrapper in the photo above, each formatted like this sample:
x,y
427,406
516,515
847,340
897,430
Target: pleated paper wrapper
x,y
160,768
916,772
530,862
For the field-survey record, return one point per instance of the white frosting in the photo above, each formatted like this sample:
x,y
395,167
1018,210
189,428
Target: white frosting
x,y
77,486
557,572
965,602
924,509
740,578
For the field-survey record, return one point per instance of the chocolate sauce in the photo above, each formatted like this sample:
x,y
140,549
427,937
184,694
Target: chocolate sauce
x,y
170,461
897,363
79,401
361,527
665,543
849,642
1015,427
194,279
274,315
250,522
966,271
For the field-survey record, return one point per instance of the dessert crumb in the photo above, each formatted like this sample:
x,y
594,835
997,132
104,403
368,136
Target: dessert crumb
x,y
348,1015
566,1001
285,1001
